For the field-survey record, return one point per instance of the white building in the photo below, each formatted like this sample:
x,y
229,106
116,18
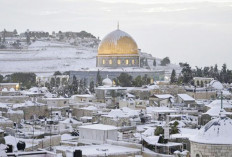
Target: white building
x,y
97,133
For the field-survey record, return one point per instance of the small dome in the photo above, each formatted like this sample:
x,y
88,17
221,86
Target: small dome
x,y
118,43
216,85
107,82
12,90
216,131
4,90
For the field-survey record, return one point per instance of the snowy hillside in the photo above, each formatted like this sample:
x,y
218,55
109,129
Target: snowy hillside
x,y
46,57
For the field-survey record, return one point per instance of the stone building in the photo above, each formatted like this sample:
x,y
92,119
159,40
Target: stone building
x,y
202,81
97,133
214,139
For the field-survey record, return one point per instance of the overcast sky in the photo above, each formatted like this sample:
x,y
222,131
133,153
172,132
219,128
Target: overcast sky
x,y
195,31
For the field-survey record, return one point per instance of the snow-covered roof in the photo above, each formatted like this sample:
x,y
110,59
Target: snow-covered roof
x,y
153,140
116,113
185,133
216,85
216,131
215,112
159,109
83,96
89,108
99,127
100,150
186,97
217,103
70,121
163,96
27,103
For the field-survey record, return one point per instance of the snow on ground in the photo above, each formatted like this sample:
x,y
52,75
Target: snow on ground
x,y
46,57
100,150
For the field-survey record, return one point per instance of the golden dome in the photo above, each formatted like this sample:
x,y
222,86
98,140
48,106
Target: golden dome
x,y
118,43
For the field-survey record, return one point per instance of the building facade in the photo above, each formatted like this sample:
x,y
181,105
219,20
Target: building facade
x,y
118,49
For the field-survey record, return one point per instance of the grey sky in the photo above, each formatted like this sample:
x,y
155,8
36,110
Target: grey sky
x,y
196,31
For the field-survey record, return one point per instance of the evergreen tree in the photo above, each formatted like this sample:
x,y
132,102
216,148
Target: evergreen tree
x,y
154,62
91,86
159,131
53,82
198,72
15,32
75,85
28,39
223,74
26,80
125,80
145,80
165,61
137,82
187,73
57,82
206,71
57,73
4,36
173,77
1,78
215,72
82,87
99,79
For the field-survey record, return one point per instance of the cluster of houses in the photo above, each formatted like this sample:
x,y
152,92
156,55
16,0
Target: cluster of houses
x,y
155,120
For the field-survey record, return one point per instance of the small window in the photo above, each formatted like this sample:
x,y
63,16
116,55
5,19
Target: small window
x,y
119,61
110,61
127,61
133,61
103,61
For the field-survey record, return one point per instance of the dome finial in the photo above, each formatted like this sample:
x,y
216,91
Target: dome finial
x,y
118,25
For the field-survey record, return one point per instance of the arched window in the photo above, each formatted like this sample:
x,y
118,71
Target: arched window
x,y
110,61
103,61
127,61
119,61
133,61
197,155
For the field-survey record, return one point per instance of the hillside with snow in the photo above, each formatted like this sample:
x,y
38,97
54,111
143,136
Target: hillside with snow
x,y
44,57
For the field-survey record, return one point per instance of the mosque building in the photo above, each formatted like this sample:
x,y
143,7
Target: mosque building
x,y
118,53
118,49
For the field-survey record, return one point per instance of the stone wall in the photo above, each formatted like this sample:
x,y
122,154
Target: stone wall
x,y
15,116
210,150
38,110
116,122
92,75
14,99
81,113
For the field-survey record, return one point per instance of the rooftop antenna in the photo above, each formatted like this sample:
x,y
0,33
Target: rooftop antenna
x,y
118,25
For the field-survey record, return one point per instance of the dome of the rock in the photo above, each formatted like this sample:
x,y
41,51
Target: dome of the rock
x,y
118,43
